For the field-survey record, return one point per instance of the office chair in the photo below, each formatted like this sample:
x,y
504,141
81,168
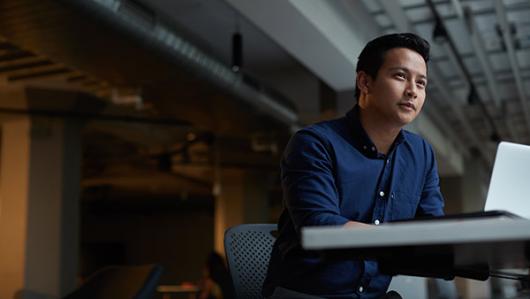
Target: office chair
x,y
248,249
127,282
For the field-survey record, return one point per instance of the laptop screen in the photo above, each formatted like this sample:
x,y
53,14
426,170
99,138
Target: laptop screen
x,y
509,188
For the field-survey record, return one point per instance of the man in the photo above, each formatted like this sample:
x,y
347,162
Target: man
x,y
362,169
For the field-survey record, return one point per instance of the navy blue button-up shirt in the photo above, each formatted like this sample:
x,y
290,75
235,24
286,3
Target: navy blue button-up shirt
x,y
331,174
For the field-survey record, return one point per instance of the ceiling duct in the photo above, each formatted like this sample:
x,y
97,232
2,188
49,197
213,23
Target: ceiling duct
x,y
136,20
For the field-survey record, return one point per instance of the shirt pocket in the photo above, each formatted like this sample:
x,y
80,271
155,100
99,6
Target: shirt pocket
x,y
404,205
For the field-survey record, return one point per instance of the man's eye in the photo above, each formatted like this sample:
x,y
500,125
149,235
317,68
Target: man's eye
x,y
422,84
400,75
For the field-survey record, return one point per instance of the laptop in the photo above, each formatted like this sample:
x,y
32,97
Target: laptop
x,y
509,190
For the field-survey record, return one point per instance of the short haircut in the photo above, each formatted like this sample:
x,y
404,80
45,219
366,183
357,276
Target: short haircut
x,y
373,55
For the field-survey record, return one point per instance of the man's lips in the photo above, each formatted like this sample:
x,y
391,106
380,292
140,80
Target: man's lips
x,y
408,105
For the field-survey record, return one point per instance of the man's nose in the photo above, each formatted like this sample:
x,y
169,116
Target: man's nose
x,y
411,91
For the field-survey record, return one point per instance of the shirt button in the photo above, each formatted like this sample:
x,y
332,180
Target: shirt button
x,y
376,222
373,148
381,193
361,289
364,147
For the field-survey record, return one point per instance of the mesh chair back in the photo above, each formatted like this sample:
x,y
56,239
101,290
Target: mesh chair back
x,y
248,249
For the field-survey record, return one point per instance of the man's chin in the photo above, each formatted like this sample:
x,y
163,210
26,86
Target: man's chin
x,y
404,120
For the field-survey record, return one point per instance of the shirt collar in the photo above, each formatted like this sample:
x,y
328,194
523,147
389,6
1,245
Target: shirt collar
x,y
361,139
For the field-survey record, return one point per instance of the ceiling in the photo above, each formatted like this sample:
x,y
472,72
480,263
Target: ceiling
x,y
487,49
145,110
166,65
323,38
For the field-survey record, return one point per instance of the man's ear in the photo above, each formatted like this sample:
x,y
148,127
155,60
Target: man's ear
x,y
364,82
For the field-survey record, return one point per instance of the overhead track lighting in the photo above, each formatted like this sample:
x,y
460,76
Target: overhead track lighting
x,y
237,48
473,94
237,51
439,34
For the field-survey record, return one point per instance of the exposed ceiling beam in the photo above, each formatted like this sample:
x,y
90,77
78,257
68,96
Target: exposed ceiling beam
x,y
454,61
466,16
363,22
148,29
318,33
509,43
480,53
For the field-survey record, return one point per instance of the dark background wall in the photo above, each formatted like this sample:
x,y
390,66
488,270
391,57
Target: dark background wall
x,y
178,238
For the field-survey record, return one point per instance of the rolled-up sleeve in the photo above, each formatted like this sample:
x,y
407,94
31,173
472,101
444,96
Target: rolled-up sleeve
x,y
308,181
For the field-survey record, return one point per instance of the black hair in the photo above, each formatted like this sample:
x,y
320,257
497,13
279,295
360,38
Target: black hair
x,y
373,54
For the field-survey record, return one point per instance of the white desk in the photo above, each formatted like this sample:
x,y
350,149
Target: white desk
x,y
497,243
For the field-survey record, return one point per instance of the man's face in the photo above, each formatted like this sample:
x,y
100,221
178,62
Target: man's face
x,y
398,92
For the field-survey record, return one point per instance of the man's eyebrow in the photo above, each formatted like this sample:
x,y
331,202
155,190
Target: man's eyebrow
x,y
400,68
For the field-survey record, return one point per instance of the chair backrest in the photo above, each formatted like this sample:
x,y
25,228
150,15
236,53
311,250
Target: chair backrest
x,y
135,282
248,249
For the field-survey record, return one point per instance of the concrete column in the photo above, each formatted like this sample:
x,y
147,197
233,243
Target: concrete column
x,y
467,193
473,289
39,207
242,199
451,188
474,188
228,205
474,192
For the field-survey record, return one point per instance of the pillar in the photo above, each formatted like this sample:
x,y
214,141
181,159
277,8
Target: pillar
x,y
242,199
39,207
467,193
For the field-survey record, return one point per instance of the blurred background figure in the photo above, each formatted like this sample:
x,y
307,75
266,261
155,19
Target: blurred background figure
x,y
216,282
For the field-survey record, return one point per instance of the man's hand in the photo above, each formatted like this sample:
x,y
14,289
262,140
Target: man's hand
x,y
355,224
